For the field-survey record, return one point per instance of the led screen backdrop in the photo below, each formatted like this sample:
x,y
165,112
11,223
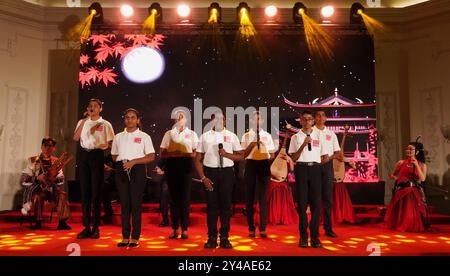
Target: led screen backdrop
x,y
155,74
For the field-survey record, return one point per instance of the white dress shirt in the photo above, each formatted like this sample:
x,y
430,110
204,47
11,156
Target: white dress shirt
x,y
209,145
316,147
329,140
103,134
132,145
266,147
185,141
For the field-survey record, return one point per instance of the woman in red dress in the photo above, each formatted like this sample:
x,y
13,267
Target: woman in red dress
x,y
407,211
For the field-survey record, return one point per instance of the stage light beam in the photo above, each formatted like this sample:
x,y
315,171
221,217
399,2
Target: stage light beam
x,y
154,17
243,13
318,40
214,13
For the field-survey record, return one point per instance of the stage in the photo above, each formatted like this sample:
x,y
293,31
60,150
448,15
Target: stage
x,y
353,240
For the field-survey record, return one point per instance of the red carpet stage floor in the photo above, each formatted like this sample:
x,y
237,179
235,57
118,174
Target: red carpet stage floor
x,y
352,240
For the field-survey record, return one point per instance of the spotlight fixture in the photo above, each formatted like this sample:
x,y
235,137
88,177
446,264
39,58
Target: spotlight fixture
x,y
214,13
241,9
183,11
155,8
271,11
355,13
97,9
126,10
327,12
297,11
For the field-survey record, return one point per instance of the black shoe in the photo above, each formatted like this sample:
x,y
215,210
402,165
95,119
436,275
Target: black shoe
x,y
62,225
252,234
184,236
123,244
174,235
330,234
263,234
37,226
303,243
133,244
316,243
86,233
211,243
95,234
225,243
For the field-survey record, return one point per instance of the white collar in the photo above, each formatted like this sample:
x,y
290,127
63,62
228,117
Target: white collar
x,y
99,120
253,131
134,132
324,128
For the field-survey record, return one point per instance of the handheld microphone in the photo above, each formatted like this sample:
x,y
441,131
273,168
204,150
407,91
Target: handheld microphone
x,y
308,134
220,156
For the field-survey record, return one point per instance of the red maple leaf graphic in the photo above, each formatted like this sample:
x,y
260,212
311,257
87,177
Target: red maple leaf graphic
x,y
138,40
107,76
154,44
93,74
84,59
102,39
84,79
103,52
118,49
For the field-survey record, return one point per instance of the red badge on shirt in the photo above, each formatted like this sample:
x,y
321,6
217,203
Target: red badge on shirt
x,y
315,143
227,139
187,136
99,128
137,140
328,137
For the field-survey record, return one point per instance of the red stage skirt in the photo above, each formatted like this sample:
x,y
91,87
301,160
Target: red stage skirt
x,y
342,208
280,205
407,211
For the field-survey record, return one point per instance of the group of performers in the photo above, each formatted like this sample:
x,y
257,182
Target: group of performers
x,y
212,156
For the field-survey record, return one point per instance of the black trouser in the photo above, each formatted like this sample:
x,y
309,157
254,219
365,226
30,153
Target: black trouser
x,y
257,176
218,201
327,194
307,180
179,179
164,198
108,187
91,182
131,192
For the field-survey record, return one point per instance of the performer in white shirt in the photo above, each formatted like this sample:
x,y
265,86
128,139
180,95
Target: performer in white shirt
x,y
132,149
95,135
217,150
306,150
178,148
259,149
332,151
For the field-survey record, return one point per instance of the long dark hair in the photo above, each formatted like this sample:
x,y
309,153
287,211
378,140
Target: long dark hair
x,y
419,151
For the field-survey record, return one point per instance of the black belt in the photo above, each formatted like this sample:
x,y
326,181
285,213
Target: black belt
x,y
309,164
90,150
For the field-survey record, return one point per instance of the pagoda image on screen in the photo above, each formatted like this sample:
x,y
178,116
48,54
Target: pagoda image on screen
x,y
360,146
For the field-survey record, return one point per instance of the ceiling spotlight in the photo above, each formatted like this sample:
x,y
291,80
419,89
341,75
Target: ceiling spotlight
x,y
355,13
96,9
